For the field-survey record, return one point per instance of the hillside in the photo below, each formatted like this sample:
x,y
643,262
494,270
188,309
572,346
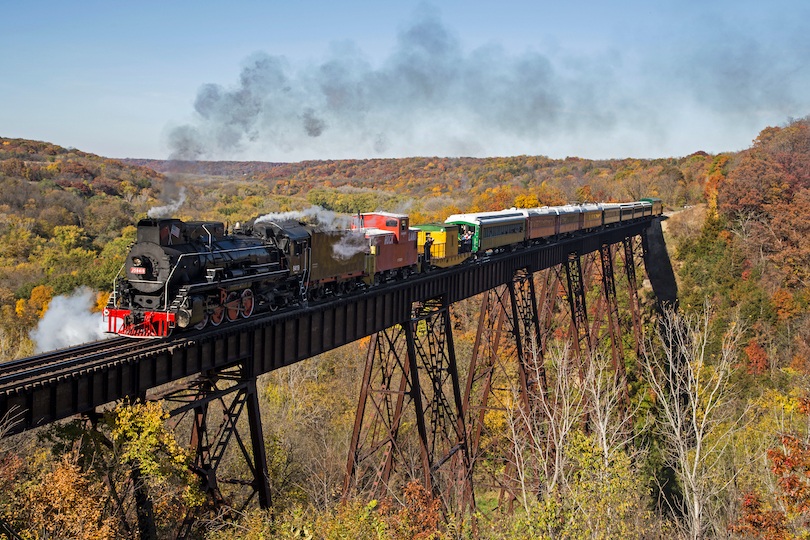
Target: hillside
x,y
66,219
65,214
741,251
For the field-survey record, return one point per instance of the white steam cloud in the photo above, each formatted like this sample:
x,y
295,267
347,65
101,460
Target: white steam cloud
x,y
69,322
169,209
314,214
350,245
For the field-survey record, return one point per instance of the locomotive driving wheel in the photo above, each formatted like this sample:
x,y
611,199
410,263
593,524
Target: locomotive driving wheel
x,y
247,303
232,306
200,325
217,315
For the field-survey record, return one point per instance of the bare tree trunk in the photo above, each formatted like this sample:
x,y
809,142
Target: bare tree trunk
x,y
610,421
538,436
694,401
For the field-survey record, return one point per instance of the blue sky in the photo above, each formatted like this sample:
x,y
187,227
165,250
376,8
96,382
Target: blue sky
x,y
286,81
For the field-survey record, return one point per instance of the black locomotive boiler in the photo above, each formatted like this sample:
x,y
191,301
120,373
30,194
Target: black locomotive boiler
x,y
191,274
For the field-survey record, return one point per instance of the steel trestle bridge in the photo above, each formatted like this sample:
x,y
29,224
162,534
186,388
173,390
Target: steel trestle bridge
x,y
411,365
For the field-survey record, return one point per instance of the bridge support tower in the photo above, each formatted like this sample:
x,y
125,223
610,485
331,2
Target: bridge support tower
x,y
413,422
409,423
220,409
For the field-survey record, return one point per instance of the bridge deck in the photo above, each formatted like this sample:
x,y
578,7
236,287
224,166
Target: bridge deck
x,y
64,384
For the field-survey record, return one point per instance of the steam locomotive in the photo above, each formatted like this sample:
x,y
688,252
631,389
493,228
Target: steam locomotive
x,y
188,275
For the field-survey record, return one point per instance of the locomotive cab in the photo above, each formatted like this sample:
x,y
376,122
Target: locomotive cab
x,y
170,232
293,240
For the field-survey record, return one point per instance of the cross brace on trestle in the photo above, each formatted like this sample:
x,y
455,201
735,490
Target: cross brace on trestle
x,y
215,404
409,423
507,372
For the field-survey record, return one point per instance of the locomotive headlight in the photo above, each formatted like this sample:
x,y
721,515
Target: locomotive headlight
x,y
137,261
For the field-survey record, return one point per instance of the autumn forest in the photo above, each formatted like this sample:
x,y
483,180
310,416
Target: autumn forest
x,y
716,447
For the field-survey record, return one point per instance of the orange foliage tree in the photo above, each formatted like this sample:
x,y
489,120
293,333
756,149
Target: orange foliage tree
x,y
31,310
757,357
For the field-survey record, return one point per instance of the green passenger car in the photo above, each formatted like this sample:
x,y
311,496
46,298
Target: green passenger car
x,y
657,205
490,231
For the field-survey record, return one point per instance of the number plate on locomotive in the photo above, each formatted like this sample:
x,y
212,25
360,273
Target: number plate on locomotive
x,y
137,270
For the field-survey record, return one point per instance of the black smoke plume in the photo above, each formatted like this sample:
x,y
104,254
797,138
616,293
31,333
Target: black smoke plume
x,y
431,97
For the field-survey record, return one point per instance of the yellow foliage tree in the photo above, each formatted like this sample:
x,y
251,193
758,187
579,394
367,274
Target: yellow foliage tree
x,y
527,200
30,311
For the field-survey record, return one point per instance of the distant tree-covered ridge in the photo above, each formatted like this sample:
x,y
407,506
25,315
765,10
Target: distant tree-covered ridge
x,y
205,168
88,174
500,179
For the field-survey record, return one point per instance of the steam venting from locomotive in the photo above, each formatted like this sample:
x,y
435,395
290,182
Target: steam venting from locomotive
x,y
349,245
433,95
169,209
315,215
68,322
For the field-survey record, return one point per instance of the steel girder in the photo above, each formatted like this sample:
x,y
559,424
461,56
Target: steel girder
x,y
220,405
630,247
410,393
506,371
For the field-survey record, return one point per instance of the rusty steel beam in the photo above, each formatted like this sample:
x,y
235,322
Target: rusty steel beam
x,y
490,386
374,442
635,305
575,293
614,322
418,358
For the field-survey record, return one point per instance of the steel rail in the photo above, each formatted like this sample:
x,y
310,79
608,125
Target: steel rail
x,y
8,369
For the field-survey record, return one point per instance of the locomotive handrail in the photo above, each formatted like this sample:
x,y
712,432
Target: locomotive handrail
x,y
171,274
266,273
168,279
114,288
304,287
210,236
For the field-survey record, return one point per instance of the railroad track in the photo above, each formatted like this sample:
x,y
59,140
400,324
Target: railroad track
x,y
62,363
